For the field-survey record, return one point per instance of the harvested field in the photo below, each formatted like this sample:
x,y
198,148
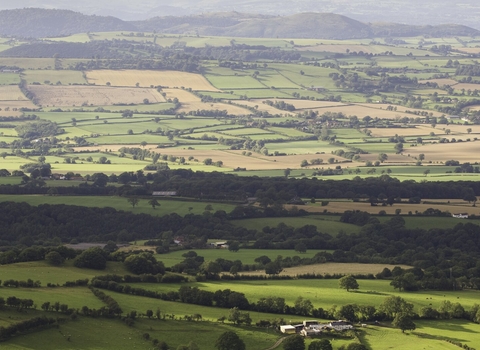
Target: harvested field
x,y
234,159
11,108
92,95
190,103
147,78
261,106
401,109
393,159
11,93
332,268
466,86
340,207
363,110
458,129
461,151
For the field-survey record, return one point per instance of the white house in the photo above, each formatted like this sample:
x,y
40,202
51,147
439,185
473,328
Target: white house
x,y
340,325
460,216
288,329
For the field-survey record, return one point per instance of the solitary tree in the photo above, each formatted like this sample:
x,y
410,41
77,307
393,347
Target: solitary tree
x,y
404,322
229,341
294,342
323,344
300,247
133,201
154,203
348,282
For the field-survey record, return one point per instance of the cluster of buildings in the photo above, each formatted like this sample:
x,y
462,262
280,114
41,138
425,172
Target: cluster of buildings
x,y
311,328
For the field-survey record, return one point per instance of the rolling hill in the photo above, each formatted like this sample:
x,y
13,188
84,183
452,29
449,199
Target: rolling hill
x,y
38,23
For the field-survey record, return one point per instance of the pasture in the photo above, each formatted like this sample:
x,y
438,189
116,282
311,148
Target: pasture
x,y
167,206
149,78
247,256
324,223
49,96
57,77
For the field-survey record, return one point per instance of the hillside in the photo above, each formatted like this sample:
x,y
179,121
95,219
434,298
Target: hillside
x,y
304,25
38,23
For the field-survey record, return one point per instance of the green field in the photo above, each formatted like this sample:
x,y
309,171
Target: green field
x,y
167,206
66,77
324,224
247,256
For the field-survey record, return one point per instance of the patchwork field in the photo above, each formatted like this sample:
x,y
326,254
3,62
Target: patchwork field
x,y
190,102
147,78
89,95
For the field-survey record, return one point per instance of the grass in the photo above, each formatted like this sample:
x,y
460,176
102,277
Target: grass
x,y
66,77
325,224
9,78
325,292
45,273
247,256
166,206
74,297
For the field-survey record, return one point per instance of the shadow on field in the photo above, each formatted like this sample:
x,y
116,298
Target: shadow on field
x,y
437,337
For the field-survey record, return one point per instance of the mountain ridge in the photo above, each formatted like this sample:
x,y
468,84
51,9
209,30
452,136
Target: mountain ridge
x,y
40,23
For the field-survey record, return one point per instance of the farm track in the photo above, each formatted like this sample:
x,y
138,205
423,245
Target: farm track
x,y
277,343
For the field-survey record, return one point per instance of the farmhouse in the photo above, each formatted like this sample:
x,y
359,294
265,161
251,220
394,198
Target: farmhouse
x,y
288,329
164,193
460,216
340,325
222,245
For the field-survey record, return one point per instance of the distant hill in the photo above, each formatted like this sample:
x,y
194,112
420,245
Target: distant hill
x,y
303,25
399,30
39,23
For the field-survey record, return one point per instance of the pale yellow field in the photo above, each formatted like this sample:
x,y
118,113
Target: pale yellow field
x,y
393,159
234,159
11,93
147,78
361,111
466,86
13,106
458,129
461,151
340,207
190,102
260,106
92,95
400,109
469,49
331,268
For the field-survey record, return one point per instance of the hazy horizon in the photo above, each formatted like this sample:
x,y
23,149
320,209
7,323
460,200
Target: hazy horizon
x,y
399,11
